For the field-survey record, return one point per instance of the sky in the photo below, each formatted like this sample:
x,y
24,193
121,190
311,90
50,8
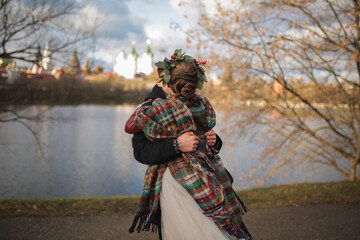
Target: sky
x,y
125,21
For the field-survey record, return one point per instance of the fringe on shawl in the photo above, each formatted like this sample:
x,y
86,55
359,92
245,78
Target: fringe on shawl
x,y
243,228
246,231
148,222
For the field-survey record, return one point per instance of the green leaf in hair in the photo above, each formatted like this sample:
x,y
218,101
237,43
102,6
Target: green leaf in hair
x,y
177,57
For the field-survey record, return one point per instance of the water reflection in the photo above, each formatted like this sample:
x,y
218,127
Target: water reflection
x,y
87,153
243,149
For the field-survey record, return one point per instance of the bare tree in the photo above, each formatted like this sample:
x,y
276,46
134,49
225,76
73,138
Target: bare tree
x,y
27,23
308,53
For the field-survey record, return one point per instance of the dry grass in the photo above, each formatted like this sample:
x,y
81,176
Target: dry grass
x,y
274,196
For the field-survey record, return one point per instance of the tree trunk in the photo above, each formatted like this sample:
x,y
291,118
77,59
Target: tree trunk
x,y
352,175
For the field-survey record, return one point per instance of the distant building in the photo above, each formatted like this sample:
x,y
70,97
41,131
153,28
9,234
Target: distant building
x,y
42,60
278,89
46,58
130,65
75,64
85,68
37,68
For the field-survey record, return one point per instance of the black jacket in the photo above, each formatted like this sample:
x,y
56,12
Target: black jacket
x,y
161,151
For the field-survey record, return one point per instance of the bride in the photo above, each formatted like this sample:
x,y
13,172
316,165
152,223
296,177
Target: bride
x,y
191,197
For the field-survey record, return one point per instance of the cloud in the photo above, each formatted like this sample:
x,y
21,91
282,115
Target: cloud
x,y
120,27
164,40
185,7
124,21
193,9
117,21
117,29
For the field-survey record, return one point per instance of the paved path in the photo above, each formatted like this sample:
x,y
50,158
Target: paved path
x,y
313,222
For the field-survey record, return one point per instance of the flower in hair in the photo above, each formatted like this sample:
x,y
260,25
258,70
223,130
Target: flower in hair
x,y
179,56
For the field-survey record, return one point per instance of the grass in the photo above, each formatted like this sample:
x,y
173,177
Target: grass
x,y
265,197
301,194
69,206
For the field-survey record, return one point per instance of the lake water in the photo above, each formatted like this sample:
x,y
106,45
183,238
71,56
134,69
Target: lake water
x,y
87,153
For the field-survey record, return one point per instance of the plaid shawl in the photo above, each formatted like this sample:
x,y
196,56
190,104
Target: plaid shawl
x,y
201,173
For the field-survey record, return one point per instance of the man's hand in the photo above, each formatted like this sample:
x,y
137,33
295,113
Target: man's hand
x,y
188,142
210,137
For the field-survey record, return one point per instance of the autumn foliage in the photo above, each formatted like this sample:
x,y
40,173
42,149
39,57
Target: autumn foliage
x,y
307,54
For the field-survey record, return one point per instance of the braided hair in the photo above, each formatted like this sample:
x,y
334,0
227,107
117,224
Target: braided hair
x,y
184,81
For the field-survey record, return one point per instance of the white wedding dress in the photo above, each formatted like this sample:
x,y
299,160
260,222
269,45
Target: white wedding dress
x,y
182,218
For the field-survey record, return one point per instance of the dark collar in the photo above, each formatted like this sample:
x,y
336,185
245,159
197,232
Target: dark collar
x,y
156,92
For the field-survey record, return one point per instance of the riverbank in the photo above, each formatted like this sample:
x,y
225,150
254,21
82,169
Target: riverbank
x,y
71,90
264,197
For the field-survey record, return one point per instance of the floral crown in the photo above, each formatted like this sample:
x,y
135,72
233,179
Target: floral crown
x,y
178,57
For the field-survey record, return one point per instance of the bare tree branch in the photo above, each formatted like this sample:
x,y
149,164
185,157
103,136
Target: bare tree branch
x,y
310,51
